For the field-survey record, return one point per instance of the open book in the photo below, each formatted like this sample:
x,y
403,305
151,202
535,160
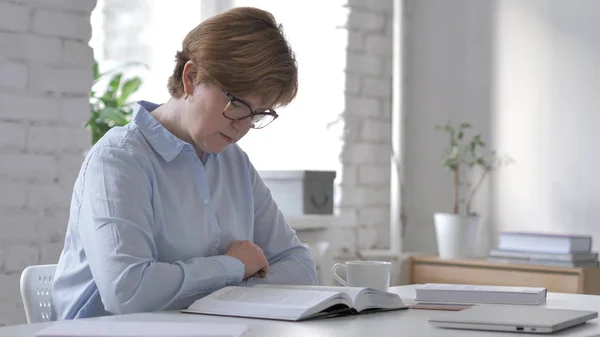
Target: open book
x,y
294,303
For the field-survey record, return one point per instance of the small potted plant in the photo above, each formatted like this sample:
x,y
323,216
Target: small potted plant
x,y
109,105
456,232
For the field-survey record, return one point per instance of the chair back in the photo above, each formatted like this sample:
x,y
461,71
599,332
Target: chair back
x,y
36,287
320,252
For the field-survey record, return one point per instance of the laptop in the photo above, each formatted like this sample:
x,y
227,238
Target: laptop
x,y
513,318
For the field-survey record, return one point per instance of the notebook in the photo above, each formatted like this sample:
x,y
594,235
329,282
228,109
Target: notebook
x,y
467,293
294,303
536,256
512,318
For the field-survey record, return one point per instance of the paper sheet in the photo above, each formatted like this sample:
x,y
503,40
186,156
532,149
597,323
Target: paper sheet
x,y
89,328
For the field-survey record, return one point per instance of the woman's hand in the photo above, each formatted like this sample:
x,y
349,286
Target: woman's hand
x,y
251,256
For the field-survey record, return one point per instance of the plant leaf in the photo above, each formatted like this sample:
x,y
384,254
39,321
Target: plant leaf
x,y
115,83
129,87
113,114
96,71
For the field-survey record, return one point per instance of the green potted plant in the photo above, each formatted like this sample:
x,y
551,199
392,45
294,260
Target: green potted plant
x,y
456,231
109,105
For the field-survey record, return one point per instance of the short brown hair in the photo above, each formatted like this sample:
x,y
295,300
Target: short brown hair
x,y
245,51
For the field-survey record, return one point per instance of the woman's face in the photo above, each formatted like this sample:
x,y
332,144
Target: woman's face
x,y
209,129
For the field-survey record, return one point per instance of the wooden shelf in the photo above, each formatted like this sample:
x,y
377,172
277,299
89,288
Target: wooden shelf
x,y
432,269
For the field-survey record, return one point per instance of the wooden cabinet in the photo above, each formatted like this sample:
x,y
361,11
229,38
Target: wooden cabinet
x,y
483,272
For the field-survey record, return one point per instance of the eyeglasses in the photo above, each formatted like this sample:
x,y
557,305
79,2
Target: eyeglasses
x,y
237,110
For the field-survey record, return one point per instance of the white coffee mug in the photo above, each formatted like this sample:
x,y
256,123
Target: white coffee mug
x,y
370,274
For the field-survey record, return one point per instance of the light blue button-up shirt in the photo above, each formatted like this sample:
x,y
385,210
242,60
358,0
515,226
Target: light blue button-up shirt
x,y
150,223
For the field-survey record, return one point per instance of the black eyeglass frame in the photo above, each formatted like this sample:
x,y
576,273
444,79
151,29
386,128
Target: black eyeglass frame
x,y
268,112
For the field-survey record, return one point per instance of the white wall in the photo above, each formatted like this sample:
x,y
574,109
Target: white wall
x,y
447,67
45,78
526,74
548,113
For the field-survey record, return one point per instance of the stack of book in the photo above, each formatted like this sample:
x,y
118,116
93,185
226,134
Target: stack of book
x,y
544,249
440,293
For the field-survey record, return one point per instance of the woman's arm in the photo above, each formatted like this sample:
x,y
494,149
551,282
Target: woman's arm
x,y
115,223
289,260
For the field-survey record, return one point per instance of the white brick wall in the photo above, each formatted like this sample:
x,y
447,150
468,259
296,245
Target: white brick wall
x,y
13,17
13,74
56,23
45,77
367,137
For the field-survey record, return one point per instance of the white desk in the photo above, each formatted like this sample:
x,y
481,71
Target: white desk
x,y
397,323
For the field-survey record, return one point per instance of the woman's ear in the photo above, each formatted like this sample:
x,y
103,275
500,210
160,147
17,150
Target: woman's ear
x,y
190,73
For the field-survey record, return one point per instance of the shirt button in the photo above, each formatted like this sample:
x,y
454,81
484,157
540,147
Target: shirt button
x,y
206,201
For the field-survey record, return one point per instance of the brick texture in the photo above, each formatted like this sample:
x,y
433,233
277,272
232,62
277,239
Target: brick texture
x,y
13,75
45,78
13,17
62,24
367,134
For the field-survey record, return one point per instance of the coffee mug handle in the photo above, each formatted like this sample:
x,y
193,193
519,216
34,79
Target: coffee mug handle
x,y
336,276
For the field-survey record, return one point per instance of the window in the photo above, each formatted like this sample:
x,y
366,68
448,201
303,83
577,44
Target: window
x,y
147,32
306,136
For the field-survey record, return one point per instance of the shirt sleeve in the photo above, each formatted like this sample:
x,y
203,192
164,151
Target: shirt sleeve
x,y
290,261
115,224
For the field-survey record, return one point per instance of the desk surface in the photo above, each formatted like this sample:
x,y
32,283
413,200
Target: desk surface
x,y
410,322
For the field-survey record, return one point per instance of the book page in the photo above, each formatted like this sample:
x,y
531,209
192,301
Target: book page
x,y
290,304
353,292
89,328
362,298
375,299
270,297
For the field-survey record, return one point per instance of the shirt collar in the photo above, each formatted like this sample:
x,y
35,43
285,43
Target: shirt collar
x,y
166,144
162,140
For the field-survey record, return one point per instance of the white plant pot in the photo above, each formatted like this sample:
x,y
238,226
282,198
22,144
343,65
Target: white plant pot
x,y
456,235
